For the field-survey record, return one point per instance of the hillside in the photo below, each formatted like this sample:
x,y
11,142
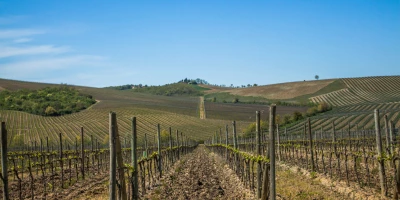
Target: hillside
x,y
336,92
354,100
276,91
178,112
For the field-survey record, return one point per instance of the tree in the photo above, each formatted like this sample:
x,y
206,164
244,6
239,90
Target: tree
x,y
316,77
50,111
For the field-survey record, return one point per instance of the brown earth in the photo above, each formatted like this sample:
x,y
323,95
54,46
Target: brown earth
x,y
200,175
275,91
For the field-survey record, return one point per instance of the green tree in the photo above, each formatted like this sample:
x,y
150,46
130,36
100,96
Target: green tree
x,y
296,116
316,77
50,111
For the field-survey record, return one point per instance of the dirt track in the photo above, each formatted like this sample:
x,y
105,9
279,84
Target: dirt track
x,y
200,175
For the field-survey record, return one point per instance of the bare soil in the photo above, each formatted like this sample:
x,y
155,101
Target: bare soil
x,y
200,175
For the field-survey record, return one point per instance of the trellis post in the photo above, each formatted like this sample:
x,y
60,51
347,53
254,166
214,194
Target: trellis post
x,y
379,151
4,172
135,182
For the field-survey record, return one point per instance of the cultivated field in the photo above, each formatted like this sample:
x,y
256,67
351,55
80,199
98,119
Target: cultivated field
x,y
344,138
276,91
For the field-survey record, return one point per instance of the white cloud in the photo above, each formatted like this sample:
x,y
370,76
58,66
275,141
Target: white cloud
x,y
22,40
31,50
17,33
46,65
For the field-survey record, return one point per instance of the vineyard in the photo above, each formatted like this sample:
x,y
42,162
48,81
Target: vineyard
x,y
27,130
364,159
355,144
45,172
363,90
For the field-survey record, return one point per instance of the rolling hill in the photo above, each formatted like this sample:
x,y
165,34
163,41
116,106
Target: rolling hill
x,y
354,100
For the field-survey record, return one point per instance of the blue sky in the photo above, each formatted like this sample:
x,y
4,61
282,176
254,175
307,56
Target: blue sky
x,y
102,43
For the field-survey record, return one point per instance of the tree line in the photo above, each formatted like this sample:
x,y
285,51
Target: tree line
x,y
49,101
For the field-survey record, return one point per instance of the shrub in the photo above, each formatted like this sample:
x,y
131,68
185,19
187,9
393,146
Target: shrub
x,y
323,107
296,116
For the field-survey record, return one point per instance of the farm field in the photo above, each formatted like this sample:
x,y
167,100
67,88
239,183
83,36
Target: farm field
x,y
353,102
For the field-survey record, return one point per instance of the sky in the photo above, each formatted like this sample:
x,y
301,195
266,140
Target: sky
x,y
104,43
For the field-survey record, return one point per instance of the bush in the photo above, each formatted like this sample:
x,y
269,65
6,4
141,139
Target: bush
x,y
250,130
311,111
296,116
50,111
323,107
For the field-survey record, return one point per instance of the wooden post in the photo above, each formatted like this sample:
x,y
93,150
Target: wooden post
x,y
334,136
226,142
304,134
177,143
258,138
159,149
311,145
76,145
82,155
61,161
279,141
47,144
391,127
146,148
220,136
120,163
135,182
387,134
113,159
234,135
272,186
379,151
91,140
170,138
4,167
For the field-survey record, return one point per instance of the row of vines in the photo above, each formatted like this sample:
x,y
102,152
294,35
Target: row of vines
x,y
45,171
365,158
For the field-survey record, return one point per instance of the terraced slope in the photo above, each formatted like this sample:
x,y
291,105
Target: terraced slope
x,y
375,89
277,91
338,98
366,90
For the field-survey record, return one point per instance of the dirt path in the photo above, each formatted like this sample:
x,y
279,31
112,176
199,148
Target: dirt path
x,y
91,189
200,175
202,108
